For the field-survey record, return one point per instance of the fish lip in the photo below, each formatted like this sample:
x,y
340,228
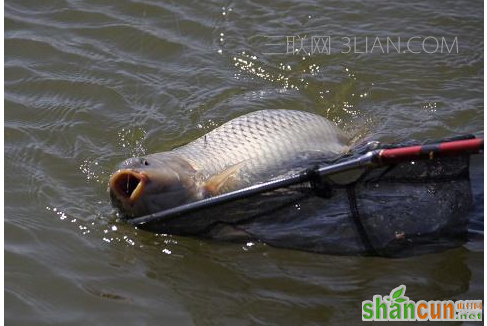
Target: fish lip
x,y
119,177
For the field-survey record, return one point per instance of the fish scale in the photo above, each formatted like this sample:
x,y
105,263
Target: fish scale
x,y
263,140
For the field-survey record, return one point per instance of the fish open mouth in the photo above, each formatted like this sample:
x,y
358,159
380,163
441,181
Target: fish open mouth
x,y
127,185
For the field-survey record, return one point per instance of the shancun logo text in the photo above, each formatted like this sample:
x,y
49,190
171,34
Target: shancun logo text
x,y
397,306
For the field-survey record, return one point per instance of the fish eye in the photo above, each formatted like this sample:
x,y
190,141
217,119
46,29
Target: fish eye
x,y
145,162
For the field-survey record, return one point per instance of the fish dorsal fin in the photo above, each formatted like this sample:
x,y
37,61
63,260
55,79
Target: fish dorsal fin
x,y
215,183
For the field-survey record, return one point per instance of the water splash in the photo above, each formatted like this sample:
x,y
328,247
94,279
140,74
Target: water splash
x,y
93,170
115,232
132,140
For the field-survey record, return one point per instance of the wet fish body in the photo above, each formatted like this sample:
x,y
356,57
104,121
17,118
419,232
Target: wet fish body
x,y
244,151
264,139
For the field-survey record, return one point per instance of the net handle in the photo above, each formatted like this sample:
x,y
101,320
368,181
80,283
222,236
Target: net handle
x,y
430,151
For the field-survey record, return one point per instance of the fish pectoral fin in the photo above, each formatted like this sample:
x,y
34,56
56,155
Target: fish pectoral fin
x,y
214,184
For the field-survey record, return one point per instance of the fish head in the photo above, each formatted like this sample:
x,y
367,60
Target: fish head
x,y
145,185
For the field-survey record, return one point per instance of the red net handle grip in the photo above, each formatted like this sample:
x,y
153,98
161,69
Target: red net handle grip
x,y
430,151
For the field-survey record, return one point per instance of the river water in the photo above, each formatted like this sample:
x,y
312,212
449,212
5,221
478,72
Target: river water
x,y
90,83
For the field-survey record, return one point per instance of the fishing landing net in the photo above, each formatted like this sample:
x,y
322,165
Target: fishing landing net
x,y
401,209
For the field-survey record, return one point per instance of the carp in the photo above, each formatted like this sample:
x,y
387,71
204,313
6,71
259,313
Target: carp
x,y
244,151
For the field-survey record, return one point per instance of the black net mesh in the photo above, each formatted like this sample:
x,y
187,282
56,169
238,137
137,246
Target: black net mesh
x,y
407,208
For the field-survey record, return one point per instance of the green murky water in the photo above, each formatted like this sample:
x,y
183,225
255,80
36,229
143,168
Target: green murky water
x,y
90,83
